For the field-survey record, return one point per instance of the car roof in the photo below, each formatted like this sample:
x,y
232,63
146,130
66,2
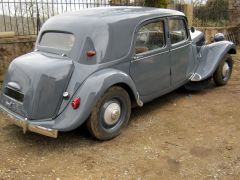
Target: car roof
x,y
112,14
124,12
108,30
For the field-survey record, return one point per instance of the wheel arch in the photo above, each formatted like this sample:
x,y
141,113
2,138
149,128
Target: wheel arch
x,y
90,92
232,51
210,57
129,90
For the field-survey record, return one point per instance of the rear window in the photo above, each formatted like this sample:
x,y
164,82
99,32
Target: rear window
x,y
57,40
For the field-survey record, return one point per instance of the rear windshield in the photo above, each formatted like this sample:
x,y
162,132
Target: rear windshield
x,y
57,40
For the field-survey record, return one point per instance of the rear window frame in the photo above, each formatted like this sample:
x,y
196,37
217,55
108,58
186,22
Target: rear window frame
x,y
52,49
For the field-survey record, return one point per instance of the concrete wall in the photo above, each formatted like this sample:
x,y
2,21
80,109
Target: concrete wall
x,y
11,47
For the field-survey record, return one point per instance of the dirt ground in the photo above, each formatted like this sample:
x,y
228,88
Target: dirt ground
x,y
179,136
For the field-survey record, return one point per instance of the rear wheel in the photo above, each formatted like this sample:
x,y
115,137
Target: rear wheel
x,y
110,115
224,71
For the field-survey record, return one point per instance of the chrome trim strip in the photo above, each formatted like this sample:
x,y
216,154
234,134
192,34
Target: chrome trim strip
x,y
175,48
196,77
139,101
141,57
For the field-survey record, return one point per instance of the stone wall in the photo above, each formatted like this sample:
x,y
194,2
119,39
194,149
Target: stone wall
x,y
12,47
234,12
231,33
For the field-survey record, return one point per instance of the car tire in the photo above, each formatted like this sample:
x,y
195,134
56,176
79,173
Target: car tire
x,y
224,71
110,115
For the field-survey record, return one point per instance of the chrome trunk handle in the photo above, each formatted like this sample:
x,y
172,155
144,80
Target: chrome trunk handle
x,y
14,85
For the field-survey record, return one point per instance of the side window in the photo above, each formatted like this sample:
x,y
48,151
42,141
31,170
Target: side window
x,y
150,37
177,30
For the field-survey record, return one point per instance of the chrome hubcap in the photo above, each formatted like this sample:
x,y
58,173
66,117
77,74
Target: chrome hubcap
x,y
112,113
225,70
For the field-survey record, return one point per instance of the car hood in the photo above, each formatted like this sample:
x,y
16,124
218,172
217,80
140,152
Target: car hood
x,y
197,36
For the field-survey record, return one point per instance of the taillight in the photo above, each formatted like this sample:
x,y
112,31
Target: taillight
x,y
91,53
76,102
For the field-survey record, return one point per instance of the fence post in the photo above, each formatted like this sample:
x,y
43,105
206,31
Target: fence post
x,y
188,10
170,5
38,18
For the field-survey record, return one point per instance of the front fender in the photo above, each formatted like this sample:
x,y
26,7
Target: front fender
x,y
89,92
210,57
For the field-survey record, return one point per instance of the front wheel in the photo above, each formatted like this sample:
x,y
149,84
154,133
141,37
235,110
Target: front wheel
x,y
224,71
110,115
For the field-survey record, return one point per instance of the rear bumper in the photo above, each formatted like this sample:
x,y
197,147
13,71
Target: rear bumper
x,y
26,125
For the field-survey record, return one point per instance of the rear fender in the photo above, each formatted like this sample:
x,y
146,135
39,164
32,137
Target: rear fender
x,y
89,92
210,57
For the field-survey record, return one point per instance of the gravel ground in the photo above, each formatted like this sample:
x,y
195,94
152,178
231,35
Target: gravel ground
x,y
178,136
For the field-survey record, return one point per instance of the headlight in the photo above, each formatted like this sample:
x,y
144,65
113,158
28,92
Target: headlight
x,y
219,37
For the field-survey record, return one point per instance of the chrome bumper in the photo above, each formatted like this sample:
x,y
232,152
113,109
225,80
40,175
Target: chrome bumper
x,y
33,128
24,123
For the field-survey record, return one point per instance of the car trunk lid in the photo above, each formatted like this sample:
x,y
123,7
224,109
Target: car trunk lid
x,y
35,83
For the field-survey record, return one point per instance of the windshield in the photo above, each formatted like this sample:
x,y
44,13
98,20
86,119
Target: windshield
x,y
57,40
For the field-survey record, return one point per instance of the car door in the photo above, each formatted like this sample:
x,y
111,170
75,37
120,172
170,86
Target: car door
x,y
182,62
150,66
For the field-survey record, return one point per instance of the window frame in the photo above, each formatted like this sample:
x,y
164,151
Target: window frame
x,y
186,29
150,52
54,50
56,32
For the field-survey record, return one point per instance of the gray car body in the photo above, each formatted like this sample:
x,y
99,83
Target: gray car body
x,y
43,75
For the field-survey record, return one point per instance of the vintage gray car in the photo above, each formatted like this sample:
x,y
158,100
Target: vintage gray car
x,y
94,65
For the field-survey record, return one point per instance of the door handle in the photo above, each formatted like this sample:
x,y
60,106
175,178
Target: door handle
x,y
137,58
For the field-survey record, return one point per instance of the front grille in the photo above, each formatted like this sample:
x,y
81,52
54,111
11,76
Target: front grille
x,y
13,94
